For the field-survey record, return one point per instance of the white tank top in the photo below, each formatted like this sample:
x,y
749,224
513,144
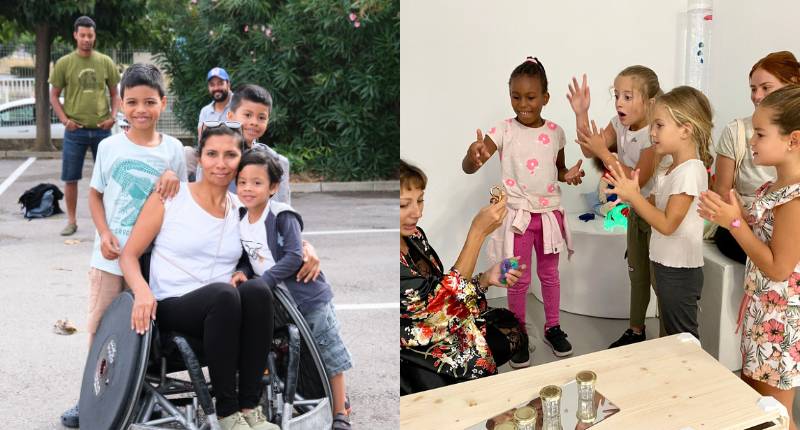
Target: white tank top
x,y
193,248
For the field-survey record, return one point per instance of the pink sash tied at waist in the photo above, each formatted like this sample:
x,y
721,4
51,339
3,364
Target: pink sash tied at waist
x,y
501,245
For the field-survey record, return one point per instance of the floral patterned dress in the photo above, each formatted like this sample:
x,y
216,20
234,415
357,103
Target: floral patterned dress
x,y
771,310
443,316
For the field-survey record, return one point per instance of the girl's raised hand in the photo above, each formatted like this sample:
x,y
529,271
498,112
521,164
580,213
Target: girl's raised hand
x,y
477,150
713,208
625,188
592,140
578,96
574,175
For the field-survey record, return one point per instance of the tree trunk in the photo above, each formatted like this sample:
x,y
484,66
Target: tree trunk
x,y
42,88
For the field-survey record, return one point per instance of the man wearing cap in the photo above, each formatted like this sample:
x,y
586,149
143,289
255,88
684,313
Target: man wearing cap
x,y
87,114
219,87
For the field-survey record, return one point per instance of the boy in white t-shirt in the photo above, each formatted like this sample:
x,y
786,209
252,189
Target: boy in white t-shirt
x,y
129,166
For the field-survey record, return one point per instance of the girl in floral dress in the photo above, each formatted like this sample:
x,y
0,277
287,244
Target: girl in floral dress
x,y
770,311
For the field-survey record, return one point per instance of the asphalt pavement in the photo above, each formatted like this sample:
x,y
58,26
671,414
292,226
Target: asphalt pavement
x,y
43,278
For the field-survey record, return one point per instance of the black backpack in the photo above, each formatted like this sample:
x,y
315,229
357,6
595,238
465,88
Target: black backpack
x,y
41,201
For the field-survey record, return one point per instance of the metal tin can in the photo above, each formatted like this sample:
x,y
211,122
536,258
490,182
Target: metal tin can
x,y
508,425
525,417
586,380
551,407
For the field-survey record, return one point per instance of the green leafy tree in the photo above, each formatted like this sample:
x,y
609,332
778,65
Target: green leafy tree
x,y
117,21
333,68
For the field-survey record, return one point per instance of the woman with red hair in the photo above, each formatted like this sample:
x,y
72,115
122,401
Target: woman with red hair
x,y
734,164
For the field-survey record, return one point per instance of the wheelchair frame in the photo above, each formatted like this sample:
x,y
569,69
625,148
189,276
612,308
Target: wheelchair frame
x,y
158,399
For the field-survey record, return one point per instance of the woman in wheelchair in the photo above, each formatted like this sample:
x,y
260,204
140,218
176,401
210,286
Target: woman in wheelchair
x,y
195,253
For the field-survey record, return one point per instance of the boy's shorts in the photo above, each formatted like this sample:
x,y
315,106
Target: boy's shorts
x,y
325,329
104,287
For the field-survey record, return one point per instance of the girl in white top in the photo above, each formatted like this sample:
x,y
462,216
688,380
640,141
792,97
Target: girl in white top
x,y
681,128
193,286
626,138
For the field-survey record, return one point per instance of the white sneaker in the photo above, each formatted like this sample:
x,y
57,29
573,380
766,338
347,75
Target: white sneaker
x,y
257,421
234,422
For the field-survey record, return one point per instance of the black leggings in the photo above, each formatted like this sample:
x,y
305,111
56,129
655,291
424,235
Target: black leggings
x,y
221,316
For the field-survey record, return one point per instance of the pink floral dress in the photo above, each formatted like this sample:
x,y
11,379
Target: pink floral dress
x,y
771,310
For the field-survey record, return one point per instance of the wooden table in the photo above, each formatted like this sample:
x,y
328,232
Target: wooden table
x,y
666,383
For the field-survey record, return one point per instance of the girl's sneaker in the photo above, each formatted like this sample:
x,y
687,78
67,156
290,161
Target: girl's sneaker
x,y
522,358
628,338
557,340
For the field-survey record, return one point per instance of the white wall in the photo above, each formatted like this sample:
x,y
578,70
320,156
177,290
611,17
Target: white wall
x,y
456,56
743,33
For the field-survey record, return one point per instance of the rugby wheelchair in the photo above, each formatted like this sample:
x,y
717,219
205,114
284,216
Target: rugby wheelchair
x,y
139,382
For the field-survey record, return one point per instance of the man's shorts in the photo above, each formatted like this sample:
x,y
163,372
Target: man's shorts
x,y
104,287
74,150
325,329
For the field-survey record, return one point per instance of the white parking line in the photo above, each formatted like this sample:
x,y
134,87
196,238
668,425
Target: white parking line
x,y
363,306
16,174
374,230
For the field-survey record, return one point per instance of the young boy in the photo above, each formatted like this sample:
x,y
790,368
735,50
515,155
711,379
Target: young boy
x,y
250,107
270,234
129,166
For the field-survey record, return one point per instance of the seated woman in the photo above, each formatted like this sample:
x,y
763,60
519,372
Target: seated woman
x,y
194,258
447,332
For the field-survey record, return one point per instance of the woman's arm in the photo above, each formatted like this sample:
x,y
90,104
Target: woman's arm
x,y
725,170
143,234
485,222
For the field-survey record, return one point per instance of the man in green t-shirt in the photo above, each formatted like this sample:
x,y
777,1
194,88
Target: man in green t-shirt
x,y
87,114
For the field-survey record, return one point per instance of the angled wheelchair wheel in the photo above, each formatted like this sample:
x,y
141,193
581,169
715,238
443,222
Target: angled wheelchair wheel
x,y
312,402
115,369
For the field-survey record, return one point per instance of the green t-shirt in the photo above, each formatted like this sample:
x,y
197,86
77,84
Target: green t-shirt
x,y
84,81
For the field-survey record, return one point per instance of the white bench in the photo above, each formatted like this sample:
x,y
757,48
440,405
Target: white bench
x,y
723,289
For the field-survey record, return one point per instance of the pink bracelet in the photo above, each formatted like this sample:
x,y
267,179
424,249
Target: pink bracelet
x,y
736,223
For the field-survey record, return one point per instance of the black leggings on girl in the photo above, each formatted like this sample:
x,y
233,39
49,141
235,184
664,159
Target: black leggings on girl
x,y
235,325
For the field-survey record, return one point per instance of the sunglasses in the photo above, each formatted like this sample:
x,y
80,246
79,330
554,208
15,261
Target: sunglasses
x,y
233,125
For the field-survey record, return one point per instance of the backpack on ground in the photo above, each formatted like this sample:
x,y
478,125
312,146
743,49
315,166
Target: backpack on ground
x,y
41,201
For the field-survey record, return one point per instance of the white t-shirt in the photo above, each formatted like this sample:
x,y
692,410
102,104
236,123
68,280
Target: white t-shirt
x,y
126,173
254,242
749,176
630,145
684,247
193,248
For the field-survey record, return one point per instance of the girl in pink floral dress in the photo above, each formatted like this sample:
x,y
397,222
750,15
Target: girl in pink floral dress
x,y
770,310
532,164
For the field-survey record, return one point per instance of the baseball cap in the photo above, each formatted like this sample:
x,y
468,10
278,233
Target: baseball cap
x,y
218,72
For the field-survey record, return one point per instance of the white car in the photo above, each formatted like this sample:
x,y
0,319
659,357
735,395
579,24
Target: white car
x,y
17,121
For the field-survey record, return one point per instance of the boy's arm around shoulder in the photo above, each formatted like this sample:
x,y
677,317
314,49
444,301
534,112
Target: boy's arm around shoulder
x,y
288,227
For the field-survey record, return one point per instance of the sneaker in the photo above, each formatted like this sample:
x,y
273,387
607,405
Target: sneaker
x,y
234,422
557,340
628,338
69,230
522,358
257,421
69,418
341,422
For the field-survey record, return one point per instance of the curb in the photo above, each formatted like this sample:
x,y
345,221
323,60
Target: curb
x,y
297,187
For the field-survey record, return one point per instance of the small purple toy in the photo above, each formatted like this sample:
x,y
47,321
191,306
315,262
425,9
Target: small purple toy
x,y
505,266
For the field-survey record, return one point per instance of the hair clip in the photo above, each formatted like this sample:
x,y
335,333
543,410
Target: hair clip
x,y
532,60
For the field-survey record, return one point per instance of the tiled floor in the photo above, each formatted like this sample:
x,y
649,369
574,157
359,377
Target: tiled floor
x,y
586,334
